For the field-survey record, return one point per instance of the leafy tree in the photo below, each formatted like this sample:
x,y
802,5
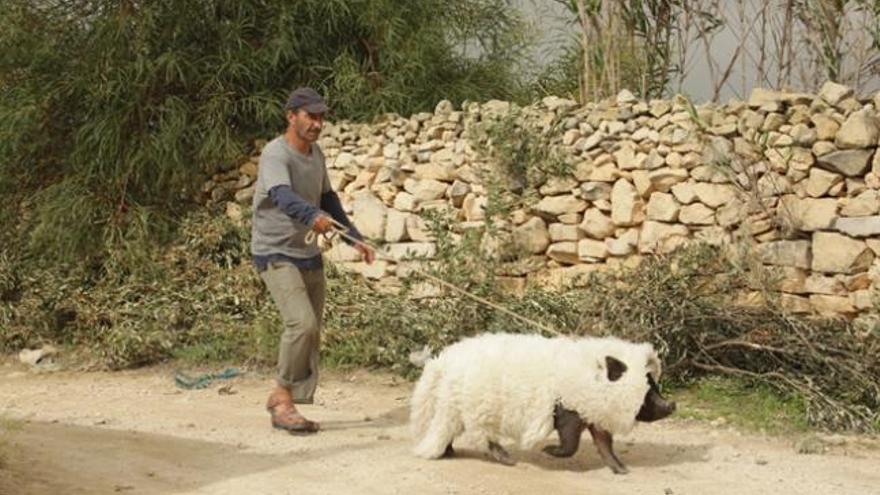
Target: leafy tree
x,y
110,111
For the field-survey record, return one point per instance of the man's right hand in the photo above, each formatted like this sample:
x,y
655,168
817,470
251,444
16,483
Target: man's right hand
x,y
322,224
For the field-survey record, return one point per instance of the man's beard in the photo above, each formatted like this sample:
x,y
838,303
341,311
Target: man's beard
x,y
310,134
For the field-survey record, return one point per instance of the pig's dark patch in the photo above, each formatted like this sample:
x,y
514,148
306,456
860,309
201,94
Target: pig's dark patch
x,y
615,368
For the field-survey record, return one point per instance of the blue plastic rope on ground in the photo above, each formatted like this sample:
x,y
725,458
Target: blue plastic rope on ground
x,y
188,382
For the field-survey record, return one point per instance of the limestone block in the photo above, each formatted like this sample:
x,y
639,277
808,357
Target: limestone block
x,y
786,253
532,236
564,252
627,208
558,205
836,253
663,207
660,238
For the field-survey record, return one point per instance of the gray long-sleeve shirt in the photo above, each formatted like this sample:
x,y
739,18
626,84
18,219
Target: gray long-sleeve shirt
x,y
291,190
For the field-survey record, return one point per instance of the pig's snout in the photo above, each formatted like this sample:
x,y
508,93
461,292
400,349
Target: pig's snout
x,y
654,407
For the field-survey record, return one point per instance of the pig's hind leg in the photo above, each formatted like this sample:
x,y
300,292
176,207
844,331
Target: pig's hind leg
x,y
437,440
604,444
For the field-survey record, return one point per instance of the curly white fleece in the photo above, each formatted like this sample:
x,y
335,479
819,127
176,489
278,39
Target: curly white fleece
x,y
500,387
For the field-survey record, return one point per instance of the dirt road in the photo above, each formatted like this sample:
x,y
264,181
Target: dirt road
x,y
136,433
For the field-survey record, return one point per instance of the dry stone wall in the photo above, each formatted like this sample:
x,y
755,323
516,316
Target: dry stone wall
x,y
795,176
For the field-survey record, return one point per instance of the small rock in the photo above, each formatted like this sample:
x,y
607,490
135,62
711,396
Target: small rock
x,y
226,390
37,357
810,445
834,93
625,96
234,211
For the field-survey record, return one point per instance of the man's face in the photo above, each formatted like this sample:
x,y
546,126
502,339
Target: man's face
x,y
306,125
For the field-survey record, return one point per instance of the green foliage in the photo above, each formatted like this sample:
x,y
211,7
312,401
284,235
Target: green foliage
x,y
144,304
107,107
526,155
370,326
399,323
562,74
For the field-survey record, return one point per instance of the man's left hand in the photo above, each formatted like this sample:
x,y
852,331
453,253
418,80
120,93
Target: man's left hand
x,y
366,251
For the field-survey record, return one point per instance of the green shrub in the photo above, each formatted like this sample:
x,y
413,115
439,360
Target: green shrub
x,y
525,155
107,108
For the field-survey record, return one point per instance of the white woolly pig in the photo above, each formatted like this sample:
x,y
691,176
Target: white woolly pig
x,y
520,388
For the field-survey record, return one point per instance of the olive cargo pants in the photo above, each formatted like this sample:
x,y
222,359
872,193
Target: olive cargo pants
x,y
299,297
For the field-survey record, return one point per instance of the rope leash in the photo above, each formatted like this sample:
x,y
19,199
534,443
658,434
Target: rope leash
x,y
338,229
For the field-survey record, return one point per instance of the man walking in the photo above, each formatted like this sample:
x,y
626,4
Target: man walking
x,y
293,196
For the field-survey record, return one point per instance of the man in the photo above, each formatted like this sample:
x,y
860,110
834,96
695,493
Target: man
x,y
293,196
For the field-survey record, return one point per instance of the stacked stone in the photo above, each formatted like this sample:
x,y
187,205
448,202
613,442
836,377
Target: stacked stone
x,y
827,200
794,174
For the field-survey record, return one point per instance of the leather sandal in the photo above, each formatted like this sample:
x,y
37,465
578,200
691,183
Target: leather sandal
x,y
289,419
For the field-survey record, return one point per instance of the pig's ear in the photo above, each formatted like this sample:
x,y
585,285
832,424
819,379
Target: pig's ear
x,y
615,368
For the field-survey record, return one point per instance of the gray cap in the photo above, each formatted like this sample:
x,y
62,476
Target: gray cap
x,y
306,98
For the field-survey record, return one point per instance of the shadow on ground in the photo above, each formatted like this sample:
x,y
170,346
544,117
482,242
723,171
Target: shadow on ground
x,y
44,459
633,456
